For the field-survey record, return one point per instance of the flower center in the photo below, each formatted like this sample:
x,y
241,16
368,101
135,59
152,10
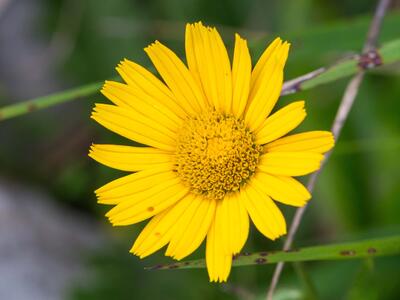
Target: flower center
x,y
216,154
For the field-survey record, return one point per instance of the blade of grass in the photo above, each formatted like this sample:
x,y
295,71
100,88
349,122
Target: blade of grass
x,y
389,53
307,43
354,250
35,104
335,37
349,96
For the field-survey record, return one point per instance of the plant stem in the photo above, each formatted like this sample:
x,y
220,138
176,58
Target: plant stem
x,y
388,53
341,117
369,248
35,104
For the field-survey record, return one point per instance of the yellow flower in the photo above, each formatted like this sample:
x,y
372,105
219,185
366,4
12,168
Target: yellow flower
x,y
214,153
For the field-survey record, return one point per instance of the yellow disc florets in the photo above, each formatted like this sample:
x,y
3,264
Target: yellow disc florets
x,y
216,154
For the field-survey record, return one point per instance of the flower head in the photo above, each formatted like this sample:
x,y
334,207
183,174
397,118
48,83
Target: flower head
x,y
214,154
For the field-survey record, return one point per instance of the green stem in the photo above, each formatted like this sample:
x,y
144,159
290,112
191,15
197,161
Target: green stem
x,y
389,53
355,250
29,106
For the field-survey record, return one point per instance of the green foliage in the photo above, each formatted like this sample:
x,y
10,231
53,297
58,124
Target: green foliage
x,y
389,53
356,196
368,248
47,101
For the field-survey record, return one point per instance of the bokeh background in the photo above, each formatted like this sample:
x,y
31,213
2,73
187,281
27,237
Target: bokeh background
x,y
55,242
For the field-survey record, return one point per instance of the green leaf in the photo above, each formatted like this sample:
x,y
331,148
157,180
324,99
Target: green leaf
x,y
386,55
389,53
367,248
35,104
338,37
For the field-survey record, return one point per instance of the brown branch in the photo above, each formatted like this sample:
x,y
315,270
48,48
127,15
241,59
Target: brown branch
x,y
375,27
293,85
340,118
367,60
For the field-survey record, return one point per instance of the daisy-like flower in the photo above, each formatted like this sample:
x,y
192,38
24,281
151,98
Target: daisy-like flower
x,y
214,154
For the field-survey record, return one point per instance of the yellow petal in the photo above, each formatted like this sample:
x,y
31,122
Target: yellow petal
x,y
148,87
281,122
177,77
128,158
260,65
192,227
200,62
134,126
140,208
151,238
312,141
127,115
224,76
281,188
159,231
134,197
267,87
264,213
218,262
241,75
139,104
290,163
235,224
117,190
208,60
194,52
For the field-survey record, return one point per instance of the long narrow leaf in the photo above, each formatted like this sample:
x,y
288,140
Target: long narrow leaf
x,y
367,248
35,104
334,37
389,53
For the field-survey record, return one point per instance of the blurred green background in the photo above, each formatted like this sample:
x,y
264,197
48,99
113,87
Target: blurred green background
x,y
51,45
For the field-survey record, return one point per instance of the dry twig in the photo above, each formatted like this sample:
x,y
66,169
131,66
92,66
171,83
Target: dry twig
x,y
341,117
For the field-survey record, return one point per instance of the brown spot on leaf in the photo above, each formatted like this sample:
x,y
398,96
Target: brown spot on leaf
x,y
156,267
347,252
157,233
260,261
292,250
371,250
32,107
150,208
173,267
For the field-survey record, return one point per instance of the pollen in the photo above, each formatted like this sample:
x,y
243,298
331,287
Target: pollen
x,y
216,154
